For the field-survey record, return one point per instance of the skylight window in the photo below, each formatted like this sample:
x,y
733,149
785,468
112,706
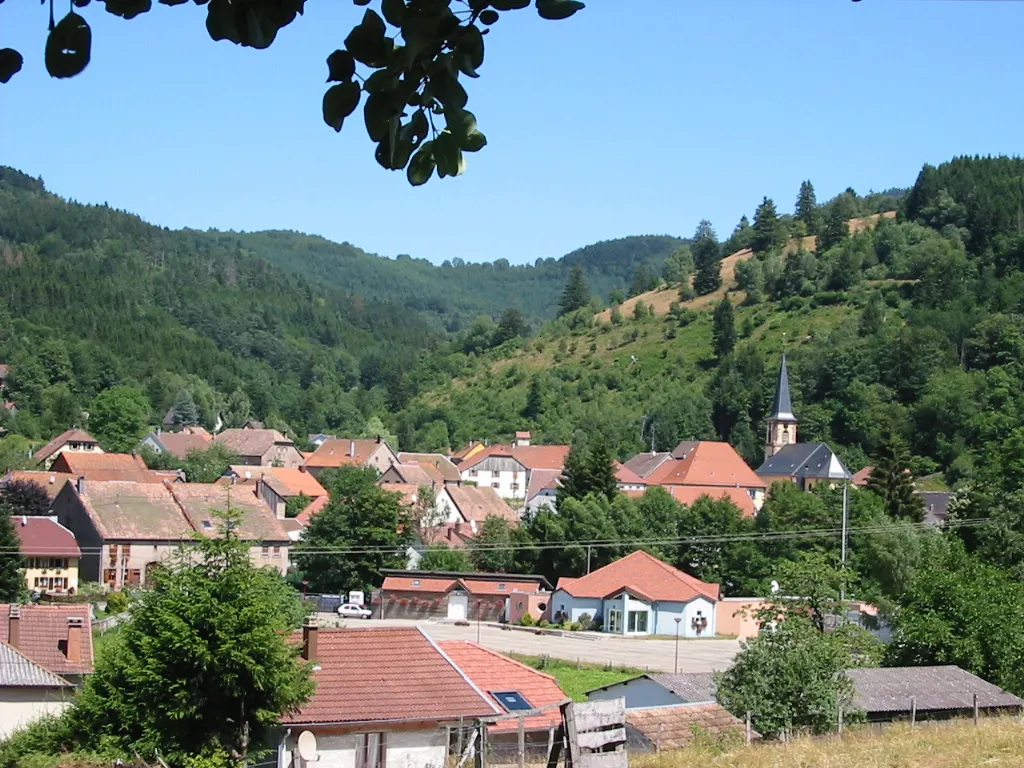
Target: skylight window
x,y
207,524
512,701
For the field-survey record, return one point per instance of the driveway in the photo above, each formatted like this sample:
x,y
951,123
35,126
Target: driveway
x,y
654,655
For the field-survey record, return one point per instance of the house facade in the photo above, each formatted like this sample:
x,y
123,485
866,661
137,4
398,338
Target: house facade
x,y
374,453
51,555
73,440
28,692
179,443
460,596
508,468
639,595
261,447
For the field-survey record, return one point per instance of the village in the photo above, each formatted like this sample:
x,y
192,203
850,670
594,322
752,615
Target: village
x,y
449,651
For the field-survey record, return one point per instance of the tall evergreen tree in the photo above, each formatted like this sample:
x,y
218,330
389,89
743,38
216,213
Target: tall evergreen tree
x,y
768,230
892,481
602,469
186,413
807,207
534,399
642,282
588,469
723,328
835,230
707,259
576,294
12,578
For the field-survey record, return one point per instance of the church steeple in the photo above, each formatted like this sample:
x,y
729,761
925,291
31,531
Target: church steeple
x,y
781,422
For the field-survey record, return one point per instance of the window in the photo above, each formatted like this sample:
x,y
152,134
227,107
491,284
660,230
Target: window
x,y
266,551
615,620
109,576
277,551
495,485
501,587
372,750
415,582
638,621
512,701
515,486
472,473
207,524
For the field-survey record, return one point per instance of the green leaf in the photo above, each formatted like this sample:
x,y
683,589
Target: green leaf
x,y
128,9
394,11
361,2
340,66
422,165
510,5
469,51
448,155
68,47
10,64
488,17
558,9
416,129
377,112
339,102
380,81
367,43
462,124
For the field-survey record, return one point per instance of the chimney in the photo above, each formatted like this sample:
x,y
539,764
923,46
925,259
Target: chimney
x,y
351,448
80,485
24,521
53,479
14,626
378,439
310,631
74,649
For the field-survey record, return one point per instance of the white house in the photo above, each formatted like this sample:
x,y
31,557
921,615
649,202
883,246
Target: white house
x,y
640,595
508,468
28,691
385,698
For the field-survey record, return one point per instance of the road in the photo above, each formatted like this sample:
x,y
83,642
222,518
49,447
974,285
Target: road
x,y
656,655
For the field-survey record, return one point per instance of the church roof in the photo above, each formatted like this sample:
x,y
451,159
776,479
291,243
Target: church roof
x,y
805,460
782,408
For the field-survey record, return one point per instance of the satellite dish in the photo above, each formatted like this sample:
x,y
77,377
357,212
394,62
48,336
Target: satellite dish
x,y
307,746
775,587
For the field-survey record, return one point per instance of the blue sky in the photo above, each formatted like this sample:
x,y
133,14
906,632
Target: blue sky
x,y
633,117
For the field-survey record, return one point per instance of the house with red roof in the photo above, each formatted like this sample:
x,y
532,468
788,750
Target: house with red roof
x,y
351,452
461,596
74,440
508,469
384,697
51,555
180,443
639,595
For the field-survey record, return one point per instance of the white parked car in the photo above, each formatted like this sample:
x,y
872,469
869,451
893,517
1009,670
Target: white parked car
x,y
352,611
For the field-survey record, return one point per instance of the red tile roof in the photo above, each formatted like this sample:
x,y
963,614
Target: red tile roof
x,y
643,574
530,456
343,452
283,481
452,535
861,478
106,466
416,474
251,442
476,503
43,635
493,672
73,435
180,444
688,494
707,463
44,537
386,674
316,506
542,480
199,501
448,471
475,584
678,726
51,482
627,476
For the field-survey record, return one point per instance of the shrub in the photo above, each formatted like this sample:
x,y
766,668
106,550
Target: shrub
x,y
574,626
117,602
527,621
543,623
585,619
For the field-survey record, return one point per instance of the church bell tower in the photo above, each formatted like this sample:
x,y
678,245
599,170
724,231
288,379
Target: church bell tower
x,y
781,423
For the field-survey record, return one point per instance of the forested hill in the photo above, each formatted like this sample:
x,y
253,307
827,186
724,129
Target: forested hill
x,y
458,292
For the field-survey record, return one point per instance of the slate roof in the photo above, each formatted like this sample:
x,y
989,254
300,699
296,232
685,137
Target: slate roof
x,y
477,503
805,460
688,494
645,463
888,689
44,537
18,671
181,443
493,673
474,583
643,575
51,482
250,442
106,466
705,463
73,435
675,727
386,674
449,472
530,456
43,635
782,407
936,506
343,452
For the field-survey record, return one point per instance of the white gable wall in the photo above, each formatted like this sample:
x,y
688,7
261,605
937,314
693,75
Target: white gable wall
x,y
405,749
667,612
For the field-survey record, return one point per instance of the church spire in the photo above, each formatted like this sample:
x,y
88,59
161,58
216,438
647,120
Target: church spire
x,y
781,422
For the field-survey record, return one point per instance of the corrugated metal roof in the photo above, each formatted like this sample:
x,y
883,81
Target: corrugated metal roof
x,y
889,689
17,670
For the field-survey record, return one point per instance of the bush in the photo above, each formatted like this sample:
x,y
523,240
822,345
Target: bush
x,y
543,623
117,602
585,619
527,621
574,626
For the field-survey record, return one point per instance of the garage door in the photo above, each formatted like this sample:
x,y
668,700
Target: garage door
x,y
457,607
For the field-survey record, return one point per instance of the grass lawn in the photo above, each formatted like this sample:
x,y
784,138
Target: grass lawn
x,y
576,682
997,742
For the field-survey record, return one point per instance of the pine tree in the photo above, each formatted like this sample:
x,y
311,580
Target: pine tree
x,y
575,482
12,579
186,413
534,399
642,281
836,228
723,328
807,207
768,232
892,481
872,319
601,470
707,259
576,294
588,469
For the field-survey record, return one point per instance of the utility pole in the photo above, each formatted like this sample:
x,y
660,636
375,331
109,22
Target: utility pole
x,y
846,506
588,559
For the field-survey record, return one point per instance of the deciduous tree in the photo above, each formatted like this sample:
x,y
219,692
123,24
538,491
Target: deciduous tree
x,y
441,558
118,418
24,497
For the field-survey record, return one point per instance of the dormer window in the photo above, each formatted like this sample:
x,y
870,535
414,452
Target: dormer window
x,y
416,582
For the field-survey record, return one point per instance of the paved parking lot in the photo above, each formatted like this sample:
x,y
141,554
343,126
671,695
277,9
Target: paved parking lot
x,y
656,655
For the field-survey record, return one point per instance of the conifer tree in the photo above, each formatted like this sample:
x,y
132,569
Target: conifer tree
x,y
836,228
807,207
707,259
12,579
723,328
186,413
768,232
892,481
534,399
576,294
588,469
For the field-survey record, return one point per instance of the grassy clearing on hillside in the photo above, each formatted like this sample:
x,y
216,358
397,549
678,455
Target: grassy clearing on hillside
x,y
997,743
576,682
